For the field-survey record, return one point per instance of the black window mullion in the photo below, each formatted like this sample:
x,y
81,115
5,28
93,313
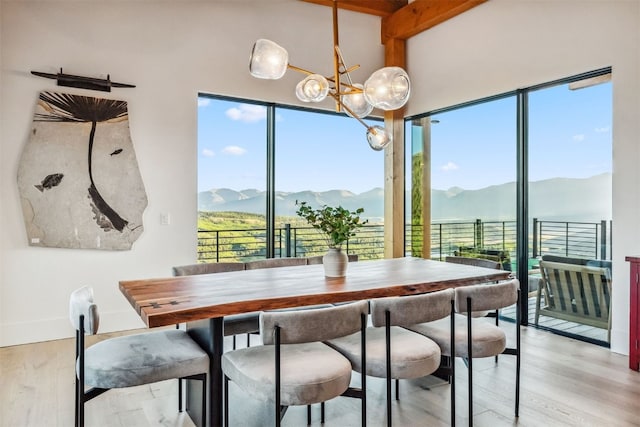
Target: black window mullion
x,y
522,200
270,197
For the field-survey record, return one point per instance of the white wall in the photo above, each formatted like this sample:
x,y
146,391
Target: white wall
x,y
171,51
503,45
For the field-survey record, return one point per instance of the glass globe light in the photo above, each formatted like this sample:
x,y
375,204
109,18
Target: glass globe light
x,y
356,102
268,60
378,137
314,88
388,88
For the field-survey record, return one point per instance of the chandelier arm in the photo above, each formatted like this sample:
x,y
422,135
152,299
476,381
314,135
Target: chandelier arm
x,y
350,69
300,70
349,110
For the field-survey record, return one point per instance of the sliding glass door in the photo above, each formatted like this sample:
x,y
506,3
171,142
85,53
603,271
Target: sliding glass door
x,y
569,168
522,176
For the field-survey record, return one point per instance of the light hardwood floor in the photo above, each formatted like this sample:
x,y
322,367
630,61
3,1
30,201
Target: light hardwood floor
x,y
564,383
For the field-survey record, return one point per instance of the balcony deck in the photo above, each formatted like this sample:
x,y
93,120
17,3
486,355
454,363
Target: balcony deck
x,y
562,327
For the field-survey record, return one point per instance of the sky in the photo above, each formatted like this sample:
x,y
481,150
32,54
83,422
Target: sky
x,y
472,148
317,152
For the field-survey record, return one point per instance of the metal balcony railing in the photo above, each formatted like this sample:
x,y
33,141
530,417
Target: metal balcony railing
x,y
577,239
573,239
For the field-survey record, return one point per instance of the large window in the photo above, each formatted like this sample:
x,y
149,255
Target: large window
x,y
256,160
523,176
471,152
324,159
232,179
569,170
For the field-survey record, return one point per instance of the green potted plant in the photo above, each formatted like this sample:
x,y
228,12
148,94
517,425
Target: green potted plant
x,y
337,225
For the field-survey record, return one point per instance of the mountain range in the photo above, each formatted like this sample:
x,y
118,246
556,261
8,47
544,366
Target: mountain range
x,y
563,199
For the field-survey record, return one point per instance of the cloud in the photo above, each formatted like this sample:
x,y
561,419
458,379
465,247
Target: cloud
x,y
247,113
579,137
204,102
208,153
602,129
450,166
234,150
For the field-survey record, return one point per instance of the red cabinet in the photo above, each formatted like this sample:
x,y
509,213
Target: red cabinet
x,y
634,312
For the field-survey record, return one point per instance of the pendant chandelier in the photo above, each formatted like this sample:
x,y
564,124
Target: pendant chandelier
x,y
387,88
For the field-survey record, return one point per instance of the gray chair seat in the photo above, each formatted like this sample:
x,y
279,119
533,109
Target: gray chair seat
x,y
412,355
301,384
130,360
143,359
488,340
293,366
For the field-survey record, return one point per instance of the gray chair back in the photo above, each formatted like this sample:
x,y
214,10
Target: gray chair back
x,y
413,309
488,296
207,268
477,262
81,303
321,324
274,263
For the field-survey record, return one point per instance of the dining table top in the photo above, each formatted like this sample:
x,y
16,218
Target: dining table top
x,y
171,300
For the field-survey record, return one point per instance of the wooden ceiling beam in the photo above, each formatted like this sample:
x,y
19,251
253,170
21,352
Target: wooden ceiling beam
x,y
420,15
380,8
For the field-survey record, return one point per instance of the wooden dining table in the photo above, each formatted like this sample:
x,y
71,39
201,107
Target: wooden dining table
x,y
202,301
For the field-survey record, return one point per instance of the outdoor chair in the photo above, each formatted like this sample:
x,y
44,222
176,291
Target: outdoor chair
x,y
294,366
129,360
575,293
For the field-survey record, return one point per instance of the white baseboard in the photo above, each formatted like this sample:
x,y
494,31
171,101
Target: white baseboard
x,y
18,333
620,341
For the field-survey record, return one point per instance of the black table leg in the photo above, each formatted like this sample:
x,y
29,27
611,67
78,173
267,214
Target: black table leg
x,y
207,333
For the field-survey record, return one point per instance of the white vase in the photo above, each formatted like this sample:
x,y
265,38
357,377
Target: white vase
x,y
335,263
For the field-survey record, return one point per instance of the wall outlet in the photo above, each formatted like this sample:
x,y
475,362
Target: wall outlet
x,y
165,218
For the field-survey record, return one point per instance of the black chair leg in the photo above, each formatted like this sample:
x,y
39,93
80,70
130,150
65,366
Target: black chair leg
x,y
248,340
388,362
77,404
81,413
397,389
234,342
179,395
204,400
322,412
226,402
470,361
452,362
518,320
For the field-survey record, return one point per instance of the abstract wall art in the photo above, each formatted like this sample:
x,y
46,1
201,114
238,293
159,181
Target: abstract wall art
x,y
78,176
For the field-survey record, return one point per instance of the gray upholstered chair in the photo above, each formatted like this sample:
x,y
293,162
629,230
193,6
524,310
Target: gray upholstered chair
x,y
394,352
274,263
129,360
294,367
474,337
478,262
207,268
237,324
